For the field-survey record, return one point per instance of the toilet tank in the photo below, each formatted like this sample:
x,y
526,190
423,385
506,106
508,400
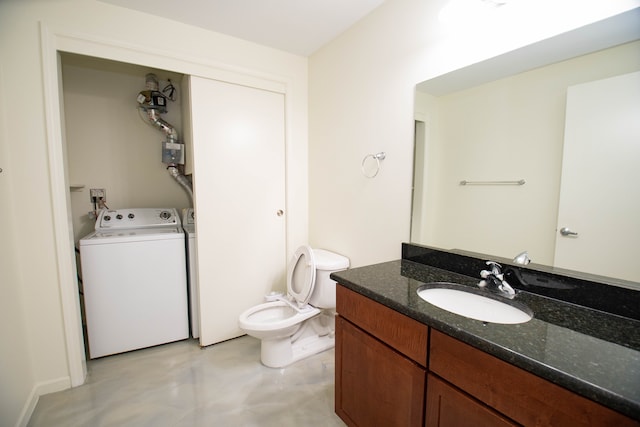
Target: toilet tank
x,y
324,291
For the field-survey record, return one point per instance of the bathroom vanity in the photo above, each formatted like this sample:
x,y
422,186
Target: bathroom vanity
x,y
402,361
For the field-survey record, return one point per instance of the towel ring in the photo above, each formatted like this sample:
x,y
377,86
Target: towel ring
x,y
377,157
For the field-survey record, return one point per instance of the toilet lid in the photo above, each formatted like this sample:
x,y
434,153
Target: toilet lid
x,y
301,275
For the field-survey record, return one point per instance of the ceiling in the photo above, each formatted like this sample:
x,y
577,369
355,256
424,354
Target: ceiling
x,y
297,26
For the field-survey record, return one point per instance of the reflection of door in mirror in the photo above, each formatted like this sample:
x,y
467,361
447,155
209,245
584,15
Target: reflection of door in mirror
x,y
600,173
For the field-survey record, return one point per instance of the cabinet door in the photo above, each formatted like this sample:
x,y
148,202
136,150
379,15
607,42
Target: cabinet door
x,y
523,397
449,407
375,386
239,194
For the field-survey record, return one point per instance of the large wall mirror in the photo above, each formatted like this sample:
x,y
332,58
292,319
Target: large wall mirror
x,y
503,127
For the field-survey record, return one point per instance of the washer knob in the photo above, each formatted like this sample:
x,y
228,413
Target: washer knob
x,y
131,216
107,218
165,215
119,216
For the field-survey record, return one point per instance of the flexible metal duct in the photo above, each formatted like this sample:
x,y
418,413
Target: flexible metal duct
x,y
153,103
182,180
162,125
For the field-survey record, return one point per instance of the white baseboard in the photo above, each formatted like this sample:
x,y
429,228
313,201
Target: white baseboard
x,y
38,390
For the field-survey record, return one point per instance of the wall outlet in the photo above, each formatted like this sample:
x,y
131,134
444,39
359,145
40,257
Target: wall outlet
x,y
96,194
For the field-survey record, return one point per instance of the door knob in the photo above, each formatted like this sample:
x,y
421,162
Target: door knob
x,y
279,212
567,232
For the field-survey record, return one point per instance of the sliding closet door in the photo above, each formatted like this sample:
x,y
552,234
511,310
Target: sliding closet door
x,y
238,143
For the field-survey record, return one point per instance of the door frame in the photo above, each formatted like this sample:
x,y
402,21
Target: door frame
x,y
53,42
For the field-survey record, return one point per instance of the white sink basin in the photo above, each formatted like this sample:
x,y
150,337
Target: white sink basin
x,y
473,305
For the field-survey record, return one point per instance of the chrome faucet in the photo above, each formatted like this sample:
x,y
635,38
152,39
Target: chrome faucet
x,y
496,277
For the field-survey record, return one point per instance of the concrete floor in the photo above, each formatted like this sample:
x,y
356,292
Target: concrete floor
x,y
181,384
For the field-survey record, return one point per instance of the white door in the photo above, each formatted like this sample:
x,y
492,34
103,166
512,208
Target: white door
x,y
238,136
600,193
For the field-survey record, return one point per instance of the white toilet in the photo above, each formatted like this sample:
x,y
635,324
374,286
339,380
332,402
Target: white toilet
x,y
301,323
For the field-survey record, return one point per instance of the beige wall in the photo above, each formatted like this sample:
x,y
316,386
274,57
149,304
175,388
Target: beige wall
x,y
509,129
109,145
33,337
16,373
361,102
361,94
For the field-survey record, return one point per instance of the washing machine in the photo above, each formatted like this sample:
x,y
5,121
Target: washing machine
x,y
134,280
189,226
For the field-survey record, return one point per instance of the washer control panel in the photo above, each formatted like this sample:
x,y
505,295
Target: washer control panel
x,y
110,219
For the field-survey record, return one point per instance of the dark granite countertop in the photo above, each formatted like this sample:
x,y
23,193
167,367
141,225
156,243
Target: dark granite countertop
x,y
588,351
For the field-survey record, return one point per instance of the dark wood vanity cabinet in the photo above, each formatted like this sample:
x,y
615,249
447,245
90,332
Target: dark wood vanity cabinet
x,y
381,358
511,391
394,371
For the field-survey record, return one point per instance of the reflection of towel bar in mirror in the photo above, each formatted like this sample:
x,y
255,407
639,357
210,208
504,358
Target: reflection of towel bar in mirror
x,y
519,182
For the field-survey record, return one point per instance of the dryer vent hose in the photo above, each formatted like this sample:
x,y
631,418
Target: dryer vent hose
x,y
153,103
182,180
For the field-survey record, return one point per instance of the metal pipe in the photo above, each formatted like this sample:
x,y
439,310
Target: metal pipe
x,y
172,134
182,180
153,103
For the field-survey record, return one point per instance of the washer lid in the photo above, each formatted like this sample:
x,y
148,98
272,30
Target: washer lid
x,y
301,275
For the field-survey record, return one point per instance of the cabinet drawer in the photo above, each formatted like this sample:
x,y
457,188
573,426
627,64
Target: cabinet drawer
x,y
514,392
404,334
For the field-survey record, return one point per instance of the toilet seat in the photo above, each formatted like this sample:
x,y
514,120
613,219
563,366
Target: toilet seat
x,y
301,275
275,315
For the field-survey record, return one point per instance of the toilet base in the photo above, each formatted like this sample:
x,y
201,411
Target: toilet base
x,y
278,353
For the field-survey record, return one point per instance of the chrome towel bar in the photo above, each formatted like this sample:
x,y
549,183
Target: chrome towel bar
x,y
519,182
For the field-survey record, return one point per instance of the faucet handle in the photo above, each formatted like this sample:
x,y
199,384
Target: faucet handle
x,y
496,277
485,273
495,267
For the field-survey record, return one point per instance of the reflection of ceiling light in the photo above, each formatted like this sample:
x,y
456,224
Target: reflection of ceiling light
x,y
495,3
461,11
